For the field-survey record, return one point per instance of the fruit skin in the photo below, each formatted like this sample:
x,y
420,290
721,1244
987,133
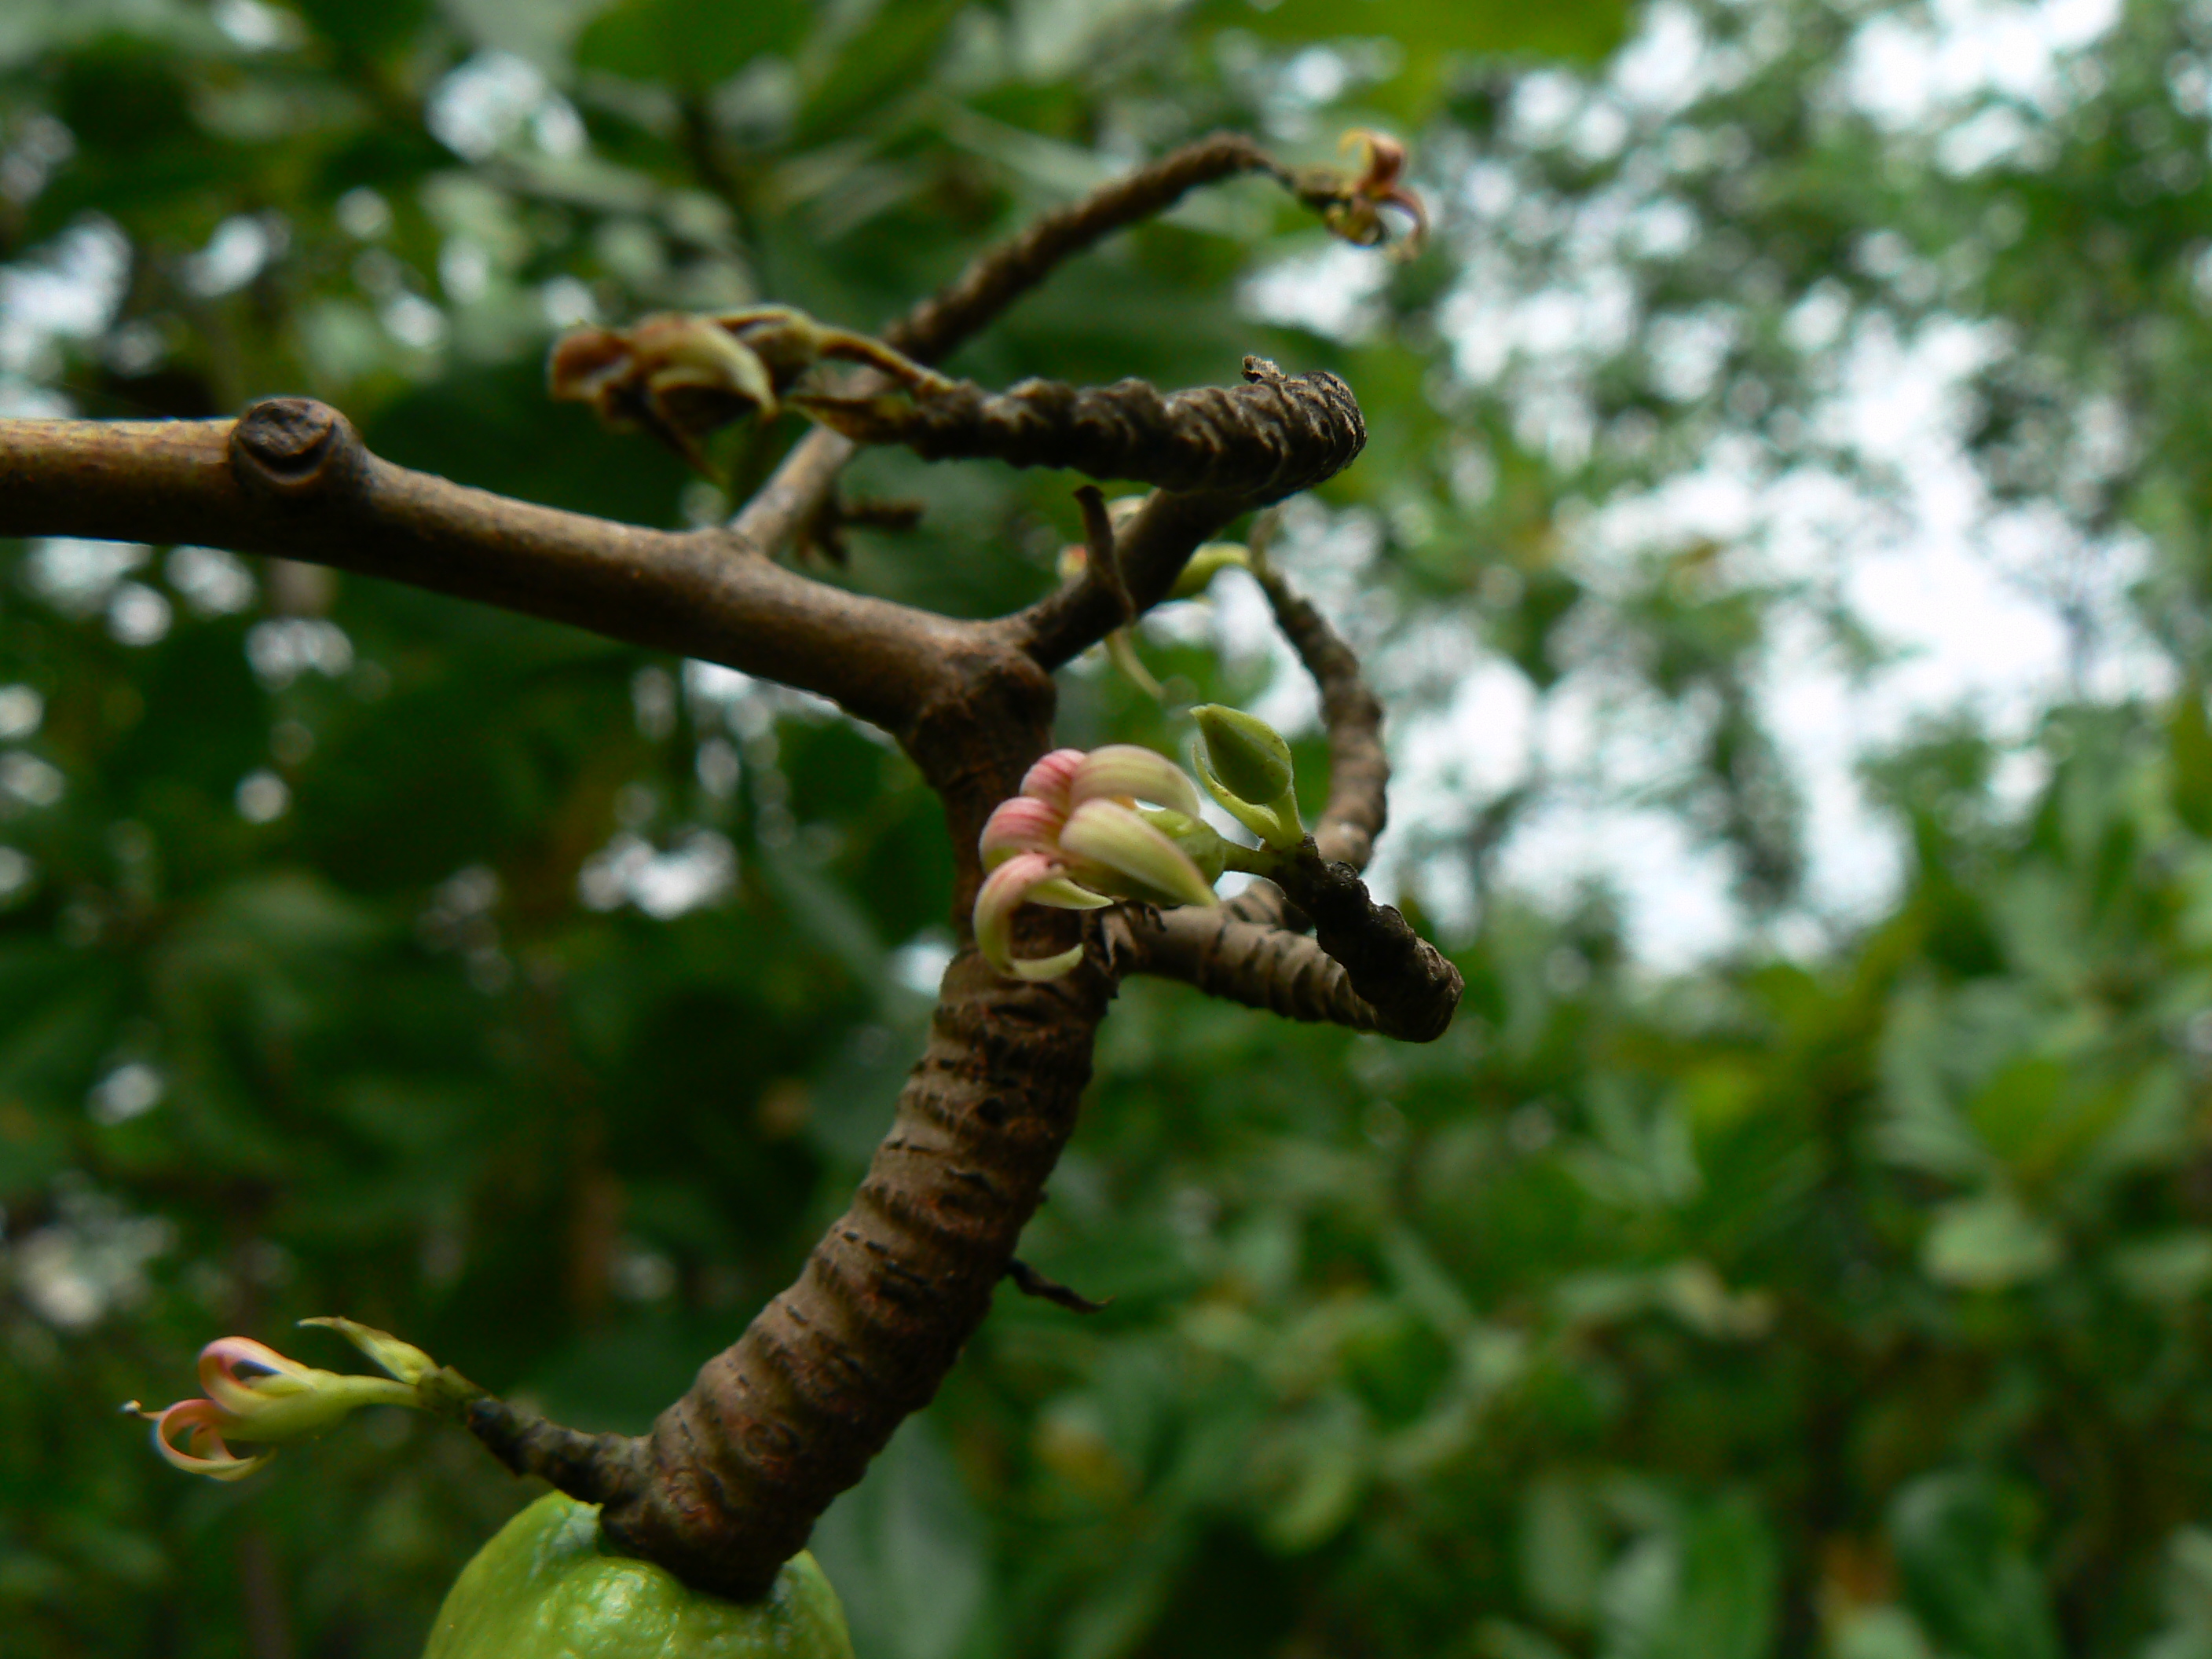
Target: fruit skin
x,y
542,1589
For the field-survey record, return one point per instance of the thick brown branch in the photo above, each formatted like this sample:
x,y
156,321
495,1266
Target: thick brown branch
x,y
1269,438
292,478
730,1481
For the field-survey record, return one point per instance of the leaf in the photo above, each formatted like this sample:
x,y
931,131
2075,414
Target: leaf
x,y
905,1549
2189,752
690,45
1429,32
1582,30
1987,1243
1965,1571
375,31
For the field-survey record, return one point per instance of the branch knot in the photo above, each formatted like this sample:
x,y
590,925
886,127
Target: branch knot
x,y
295,448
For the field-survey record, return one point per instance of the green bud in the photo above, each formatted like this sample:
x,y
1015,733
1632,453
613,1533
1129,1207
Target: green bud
x,y
1246,766
1247,754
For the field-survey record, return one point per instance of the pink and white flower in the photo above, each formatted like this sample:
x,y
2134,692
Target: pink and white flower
x,y
1075,839
256,1395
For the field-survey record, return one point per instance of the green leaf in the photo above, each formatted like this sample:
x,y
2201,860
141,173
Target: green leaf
x,y
1966,1571
1989,1243
690,45
2189,751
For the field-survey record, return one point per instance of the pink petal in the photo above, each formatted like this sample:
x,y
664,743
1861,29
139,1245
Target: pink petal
x,y
198,1425
230,1364
1003,893
1048,781
1022,824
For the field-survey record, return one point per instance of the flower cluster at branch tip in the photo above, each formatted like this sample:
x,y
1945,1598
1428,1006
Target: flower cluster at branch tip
x,y
256,1397
1246,766
1353,211
1076,839
679,377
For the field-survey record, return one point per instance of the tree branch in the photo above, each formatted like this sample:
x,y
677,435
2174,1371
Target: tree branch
x,y
999,278
1271,437
292,478
733,1476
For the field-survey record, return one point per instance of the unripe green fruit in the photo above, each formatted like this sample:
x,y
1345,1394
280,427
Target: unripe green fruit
x,y
542,1589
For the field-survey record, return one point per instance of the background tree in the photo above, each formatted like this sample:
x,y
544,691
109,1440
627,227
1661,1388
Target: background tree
x,y
1832,1287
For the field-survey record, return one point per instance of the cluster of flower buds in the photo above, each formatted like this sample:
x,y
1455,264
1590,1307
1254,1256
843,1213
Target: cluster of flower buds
x,y
256,1397
679,377
1081,833
1077,838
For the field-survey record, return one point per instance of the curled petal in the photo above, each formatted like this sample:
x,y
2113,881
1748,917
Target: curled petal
x,y
1022,825
1106,846
1126,772
1061,894
1004,892
1048,781
243,1376
1386,156
189,1434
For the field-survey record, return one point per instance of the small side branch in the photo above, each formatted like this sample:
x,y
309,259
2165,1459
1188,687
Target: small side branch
x,y
1263,967
598,1468
994,281
999,278
1352,717
1030,1282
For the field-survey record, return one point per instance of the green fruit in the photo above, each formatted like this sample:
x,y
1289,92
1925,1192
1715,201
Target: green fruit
x,y
543,1589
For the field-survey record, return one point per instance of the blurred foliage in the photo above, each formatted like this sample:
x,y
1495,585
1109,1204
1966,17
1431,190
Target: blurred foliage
x,y
361,952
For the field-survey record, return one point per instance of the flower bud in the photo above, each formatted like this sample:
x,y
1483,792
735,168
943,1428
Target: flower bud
x,y
1126,772
1048,781
1107,846
1247,754
1021,823
1246,766
255,1394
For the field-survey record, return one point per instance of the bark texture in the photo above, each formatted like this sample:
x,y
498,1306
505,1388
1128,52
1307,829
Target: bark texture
x,y
734,1475
1270,438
